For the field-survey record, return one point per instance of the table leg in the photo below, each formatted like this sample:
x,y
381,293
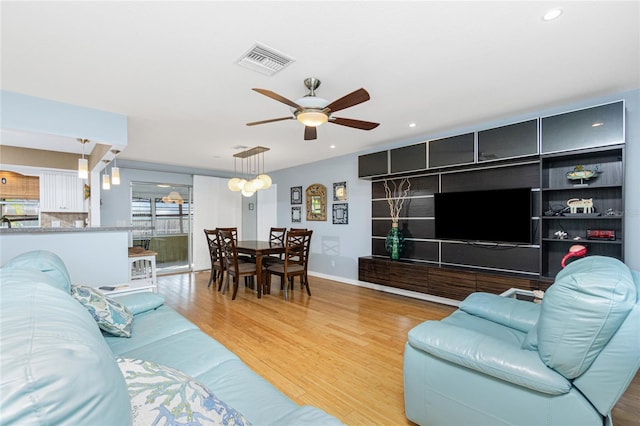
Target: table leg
x,y
259,285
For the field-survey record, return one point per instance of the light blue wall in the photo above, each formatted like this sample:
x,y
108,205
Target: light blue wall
x,y
22,112
336,248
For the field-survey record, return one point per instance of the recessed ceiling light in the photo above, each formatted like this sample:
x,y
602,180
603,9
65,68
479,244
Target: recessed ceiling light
x,y
552,14
412,124
332,147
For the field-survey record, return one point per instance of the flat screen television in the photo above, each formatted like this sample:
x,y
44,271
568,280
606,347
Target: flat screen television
x,y
500,215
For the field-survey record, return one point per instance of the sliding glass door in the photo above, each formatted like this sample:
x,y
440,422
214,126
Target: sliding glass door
x,y
168,208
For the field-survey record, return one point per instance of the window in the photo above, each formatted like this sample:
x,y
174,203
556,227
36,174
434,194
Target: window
x,y
168,210
168,218
171,218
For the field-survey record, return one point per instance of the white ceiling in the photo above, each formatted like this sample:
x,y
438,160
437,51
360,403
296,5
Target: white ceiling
x,y
171,67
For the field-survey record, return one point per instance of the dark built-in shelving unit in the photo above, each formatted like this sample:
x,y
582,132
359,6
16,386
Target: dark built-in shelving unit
x,y
537,154
606,191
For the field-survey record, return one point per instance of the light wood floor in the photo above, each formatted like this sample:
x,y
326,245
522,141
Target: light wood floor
x,y
340,349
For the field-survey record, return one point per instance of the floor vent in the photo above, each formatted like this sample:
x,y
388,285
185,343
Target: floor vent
x,y
264,60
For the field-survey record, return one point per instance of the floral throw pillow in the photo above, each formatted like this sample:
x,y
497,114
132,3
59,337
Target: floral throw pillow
x,y
161,395
112,316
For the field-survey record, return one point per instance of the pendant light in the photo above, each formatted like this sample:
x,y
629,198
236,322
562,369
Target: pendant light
x,y
248,187
115,170
83,163
174,197
106,182
265,178
235,184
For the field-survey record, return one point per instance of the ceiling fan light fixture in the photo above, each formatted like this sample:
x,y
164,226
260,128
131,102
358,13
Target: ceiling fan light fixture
x,y
312,118
313,111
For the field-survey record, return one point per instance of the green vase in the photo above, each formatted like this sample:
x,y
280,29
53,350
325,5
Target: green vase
x,y
394,242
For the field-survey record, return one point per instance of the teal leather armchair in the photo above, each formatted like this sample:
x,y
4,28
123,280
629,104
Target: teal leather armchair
x,y
499,360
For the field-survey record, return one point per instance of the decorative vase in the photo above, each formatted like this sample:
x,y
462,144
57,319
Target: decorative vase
x,y
394,242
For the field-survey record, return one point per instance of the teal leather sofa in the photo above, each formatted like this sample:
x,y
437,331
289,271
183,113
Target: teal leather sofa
x,y
57,367
498,361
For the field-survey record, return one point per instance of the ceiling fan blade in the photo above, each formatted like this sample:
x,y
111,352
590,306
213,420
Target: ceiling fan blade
x,y
274,95
353,98
269,121
358,124
310,133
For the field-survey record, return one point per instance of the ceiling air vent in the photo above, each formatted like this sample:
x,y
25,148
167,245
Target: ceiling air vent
x,y
264,60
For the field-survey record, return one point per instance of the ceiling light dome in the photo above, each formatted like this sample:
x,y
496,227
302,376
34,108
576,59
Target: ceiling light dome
x,y
312,115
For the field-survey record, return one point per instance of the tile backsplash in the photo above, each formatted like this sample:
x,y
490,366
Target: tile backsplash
x,y
66,220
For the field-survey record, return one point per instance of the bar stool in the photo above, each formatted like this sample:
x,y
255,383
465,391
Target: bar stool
x,y
142,265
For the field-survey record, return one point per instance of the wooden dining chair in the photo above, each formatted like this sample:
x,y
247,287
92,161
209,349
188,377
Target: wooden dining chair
x,y
297,229
296,260
217,262
234,268
234,233
276,236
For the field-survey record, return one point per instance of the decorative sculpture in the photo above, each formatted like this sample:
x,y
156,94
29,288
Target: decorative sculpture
x,y
586,204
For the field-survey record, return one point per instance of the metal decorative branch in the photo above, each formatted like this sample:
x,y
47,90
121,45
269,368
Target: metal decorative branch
x,y
396,196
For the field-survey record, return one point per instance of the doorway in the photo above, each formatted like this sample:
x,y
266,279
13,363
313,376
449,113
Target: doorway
x,y
168,208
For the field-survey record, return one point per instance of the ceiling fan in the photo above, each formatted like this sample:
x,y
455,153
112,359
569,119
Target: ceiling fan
x,y
313,111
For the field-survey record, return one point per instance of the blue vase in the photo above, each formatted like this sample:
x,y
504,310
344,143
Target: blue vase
x,y
394,242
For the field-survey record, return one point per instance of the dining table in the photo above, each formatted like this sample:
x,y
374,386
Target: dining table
x,y
258,249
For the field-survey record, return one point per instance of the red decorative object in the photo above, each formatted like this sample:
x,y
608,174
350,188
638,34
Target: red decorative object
x,y
574,251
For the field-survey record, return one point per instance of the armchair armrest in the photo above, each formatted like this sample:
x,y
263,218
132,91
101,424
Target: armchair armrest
x,y
518,314
487,355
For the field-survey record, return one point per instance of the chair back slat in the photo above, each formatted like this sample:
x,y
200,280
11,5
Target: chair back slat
x,y
297,248
229,251
233,231
212,241
277,235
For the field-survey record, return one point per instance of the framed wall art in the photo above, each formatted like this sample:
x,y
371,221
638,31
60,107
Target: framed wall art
x,y
296,195
316,202
340,191
296,214
341,214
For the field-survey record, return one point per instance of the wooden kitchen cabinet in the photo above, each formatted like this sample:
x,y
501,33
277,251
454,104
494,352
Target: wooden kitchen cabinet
x,y
62,192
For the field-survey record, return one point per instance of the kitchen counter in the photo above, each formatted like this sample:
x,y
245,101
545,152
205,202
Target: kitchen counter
x,y
94,256
34,230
